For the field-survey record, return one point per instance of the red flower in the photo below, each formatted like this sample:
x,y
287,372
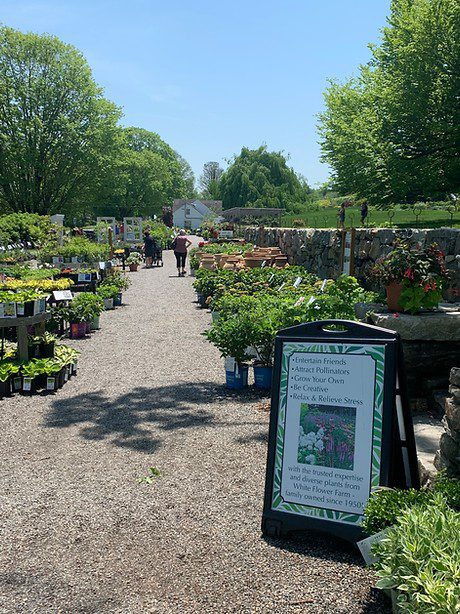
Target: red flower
x,y
409,273
396,315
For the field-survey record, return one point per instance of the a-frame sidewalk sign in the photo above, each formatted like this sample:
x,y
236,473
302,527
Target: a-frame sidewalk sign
x,y
340,426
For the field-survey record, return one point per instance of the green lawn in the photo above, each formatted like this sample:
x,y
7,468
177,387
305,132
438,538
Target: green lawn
x,y
326,217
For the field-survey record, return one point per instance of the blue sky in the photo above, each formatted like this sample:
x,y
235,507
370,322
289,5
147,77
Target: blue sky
x,y
213,76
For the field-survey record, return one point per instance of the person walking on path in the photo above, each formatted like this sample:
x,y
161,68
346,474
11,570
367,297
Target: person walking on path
x,y
149,249
341,215
180,246
364,211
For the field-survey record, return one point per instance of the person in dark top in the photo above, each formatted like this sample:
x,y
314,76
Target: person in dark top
x,y
364,211
149,249
180,246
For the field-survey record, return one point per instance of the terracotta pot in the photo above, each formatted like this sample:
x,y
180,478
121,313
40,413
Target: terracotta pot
x,y
393,295
254,262
207,264
133,267
280,261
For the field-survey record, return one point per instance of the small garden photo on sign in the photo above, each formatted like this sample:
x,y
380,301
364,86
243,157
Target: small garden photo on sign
x,y
327,436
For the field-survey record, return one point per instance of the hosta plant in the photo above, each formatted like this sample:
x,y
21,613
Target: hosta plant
x,y
419,558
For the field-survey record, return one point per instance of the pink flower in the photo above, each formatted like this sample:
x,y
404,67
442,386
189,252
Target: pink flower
x,y
396,315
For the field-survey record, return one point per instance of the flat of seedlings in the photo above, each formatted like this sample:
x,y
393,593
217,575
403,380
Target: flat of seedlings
x,y
88,525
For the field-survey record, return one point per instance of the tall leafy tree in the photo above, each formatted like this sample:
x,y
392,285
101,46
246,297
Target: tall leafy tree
x,y
182,179
259,178
56,128
209,180
393,134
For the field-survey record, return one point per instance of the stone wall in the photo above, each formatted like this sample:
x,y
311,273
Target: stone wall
x,y
448,455
320,251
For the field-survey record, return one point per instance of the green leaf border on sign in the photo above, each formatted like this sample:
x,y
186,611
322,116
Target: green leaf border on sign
x,y
377,352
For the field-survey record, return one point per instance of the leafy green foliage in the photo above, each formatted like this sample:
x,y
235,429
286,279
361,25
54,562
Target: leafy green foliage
x,y
385,505
392,134
24,227
420,559
56,129
79,247
259,178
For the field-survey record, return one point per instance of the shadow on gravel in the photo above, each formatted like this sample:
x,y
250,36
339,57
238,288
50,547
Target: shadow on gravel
x,y
127,420
329,548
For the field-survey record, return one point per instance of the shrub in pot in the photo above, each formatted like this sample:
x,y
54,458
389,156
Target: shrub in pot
x,y
42,346
232,336
91,306
134,261
414,278
108,294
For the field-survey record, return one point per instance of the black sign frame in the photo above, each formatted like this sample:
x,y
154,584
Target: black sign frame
x,y
398,461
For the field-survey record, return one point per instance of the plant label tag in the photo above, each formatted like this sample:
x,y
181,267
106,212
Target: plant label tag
x,y
84,276
36,307
272,276
282,286
66,374
27,384
299,301
74,368
230,364
102,266
297,282
17,383
62,295
365,546
323,285
263,264
75,259
311,300
20,309
42,304
50,383
58,259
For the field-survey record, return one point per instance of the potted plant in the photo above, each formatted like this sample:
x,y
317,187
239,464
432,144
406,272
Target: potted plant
x,y
232,336
33,375
414,278
108,294
121,281
266,323
52,368
76,315
91,305
134,260
7,370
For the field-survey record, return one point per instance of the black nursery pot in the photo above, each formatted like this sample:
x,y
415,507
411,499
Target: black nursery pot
x,y
28,310
5,388
33,386
60,378
40,381
47,350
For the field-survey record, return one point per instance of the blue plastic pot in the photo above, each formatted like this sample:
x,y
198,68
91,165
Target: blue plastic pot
x,y
118,300
263,377
237,380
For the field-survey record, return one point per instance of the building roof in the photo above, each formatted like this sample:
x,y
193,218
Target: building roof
x,y
215,205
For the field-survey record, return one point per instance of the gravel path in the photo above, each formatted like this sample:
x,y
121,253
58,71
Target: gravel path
x,y
78,533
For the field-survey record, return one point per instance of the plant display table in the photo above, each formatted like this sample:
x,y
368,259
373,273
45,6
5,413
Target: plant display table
x,y
21,325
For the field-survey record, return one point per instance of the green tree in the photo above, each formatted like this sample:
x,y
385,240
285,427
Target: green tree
x,y
182,179
56,128
259,178
209,180
393,134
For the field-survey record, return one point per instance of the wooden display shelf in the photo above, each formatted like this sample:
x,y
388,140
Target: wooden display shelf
x,y
21,324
